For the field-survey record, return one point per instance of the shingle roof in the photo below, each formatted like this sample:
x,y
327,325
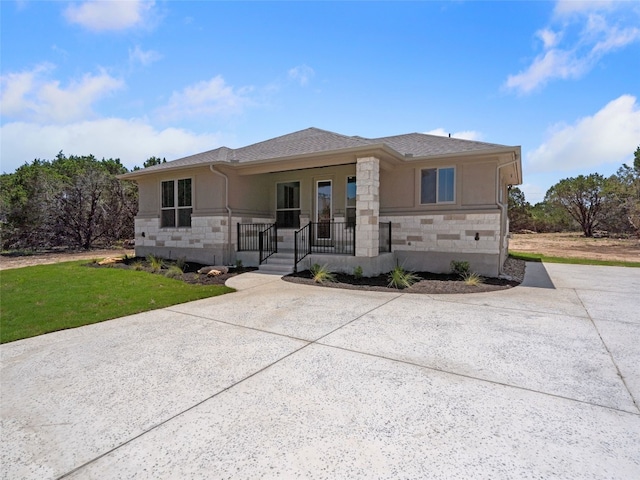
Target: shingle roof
x,y
423,145
315,140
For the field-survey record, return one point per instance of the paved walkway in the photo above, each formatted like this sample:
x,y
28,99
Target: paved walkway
x,y
281,380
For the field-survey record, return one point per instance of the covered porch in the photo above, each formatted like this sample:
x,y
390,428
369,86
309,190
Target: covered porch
x,y
266,244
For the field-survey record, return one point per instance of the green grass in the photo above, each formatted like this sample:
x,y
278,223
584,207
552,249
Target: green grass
x,y
539,257
47,298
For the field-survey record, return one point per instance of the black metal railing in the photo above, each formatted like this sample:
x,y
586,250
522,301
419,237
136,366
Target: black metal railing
x,y
333,237
301,245
258,237
325,237
384,237
268,242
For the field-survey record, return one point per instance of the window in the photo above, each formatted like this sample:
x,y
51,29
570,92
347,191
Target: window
x,y
288,205
437,185
351,201
176,203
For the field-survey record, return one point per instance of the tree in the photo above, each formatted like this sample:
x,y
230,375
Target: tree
x,y
582,197
551,217
623,205
519,211
27,197
151,161
68,201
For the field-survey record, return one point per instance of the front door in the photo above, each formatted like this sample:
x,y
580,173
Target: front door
x,y
323,209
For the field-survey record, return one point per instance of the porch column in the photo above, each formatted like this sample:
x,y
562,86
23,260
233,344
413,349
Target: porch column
x,y
367,206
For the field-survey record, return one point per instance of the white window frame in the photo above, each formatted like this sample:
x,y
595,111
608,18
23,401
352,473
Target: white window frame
x,y
175,208
438,169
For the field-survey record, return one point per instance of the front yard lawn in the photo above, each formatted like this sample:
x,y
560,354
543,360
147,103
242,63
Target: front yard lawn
x,y
47,298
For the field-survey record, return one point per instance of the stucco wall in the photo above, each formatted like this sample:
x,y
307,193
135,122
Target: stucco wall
x,y
478,184
308,178
475,185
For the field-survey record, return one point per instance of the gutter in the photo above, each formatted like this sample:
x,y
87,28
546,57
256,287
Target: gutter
x,y
503,215
226,201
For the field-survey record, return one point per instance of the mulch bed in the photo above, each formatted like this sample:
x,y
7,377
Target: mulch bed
x,y
190,274
430,283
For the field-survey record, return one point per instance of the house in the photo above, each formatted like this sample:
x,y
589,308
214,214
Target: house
x,y
315,196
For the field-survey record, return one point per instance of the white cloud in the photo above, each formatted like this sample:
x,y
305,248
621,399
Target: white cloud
x,y
608,137
554,63
142,57
206,98
301,74
107,15
133,141
569,7
602,29
533,192
549,38
32,96
464,135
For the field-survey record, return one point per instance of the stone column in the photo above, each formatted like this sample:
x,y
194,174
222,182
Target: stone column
x,y
367,206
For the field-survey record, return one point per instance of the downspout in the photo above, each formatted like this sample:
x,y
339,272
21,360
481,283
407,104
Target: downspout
x,y
503,215
226,202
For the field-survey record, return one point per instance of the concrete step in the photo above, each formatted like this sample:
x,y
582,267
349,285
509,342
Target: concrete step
x,y
280,263
275,269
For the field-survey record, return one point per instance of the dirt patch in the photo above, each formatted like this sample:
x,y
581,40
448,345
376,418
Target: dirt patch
x,y
575,245
17,260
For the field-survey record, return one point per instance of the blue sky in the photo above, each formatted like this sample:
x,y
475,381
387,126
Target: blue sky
x,y
134,79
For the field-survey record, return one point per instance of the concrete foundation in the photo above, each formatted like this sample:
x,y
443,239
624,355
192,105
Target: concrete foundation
x,y
371,266
485,264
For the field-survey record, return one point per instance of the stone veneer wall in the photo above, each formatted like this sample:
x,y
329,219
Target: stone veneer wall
x,y
367,206
205,241
430,242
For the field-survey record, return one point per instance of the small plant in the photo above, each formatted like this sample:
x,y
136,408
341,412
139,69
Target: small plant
x,y
357,272
400,278
137,265
321,274
238,263
173,272
472,279
182,264
460,268
156,263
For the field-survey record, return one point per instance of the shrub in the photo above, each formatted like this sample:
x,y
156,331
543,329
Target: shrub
x,y
238,263
472,279
156,263
400,278
357,272
321,274
182,264
137,265
460,268
173,272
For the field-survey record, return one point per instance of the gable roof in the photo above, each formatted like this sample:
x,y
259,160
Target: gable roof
x,y
317,141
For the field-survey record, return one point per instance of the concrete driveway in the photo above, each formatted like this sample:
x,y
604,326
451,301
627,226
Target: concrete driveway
x,y
281,381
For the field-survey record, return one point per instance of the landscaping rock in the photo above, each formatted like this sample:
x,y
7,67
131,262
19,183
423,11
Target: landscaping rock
x,y
213,271
111,260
